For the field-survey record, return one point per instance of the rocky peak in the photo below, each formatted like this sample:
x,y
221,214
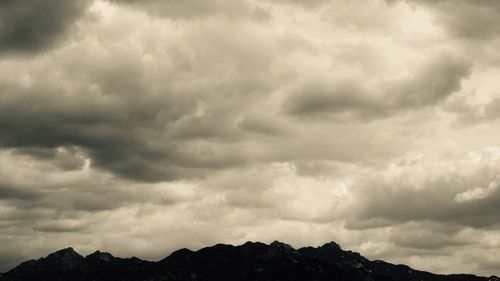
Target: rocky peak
x,y
66,258
65,252
277,249
331,246
250,244
281,246
102,256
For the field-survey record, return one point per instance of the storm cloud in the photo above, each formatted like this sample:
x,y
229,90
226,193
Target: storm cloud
x,y
350,98
30,26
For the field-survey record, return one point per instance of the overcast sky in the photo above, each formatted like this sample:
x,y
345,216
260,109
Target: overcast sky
x,y
142,126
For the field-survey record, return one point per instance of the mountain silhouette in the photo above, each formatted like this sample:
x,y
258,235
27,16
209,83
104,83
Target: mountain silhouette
x,y
252,261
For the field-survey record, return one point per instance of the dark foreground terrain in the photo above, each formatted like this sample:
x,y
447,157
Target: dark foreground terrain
x,y
250,261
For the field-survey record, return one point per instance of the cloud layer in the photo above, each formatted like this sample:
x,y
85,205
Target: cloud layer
x,y
371,123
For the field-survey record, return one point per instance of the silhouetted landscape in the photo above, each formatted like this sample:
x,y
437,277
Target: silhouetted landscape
x,y
250,261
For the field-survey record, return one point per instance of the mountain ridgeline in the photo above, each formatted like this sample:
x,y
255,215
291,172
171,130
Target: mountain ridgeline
x,y
248,262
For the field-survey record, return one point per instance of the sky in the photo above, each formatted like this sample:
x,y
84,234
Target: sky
x,y
141,127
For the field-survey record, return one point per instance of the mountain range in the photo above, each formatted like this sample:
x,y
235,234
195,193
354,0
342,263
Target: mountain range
x,y
252,261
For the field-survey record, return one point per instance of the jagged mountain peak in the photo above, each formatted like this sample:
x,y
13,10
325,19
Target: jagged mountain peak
x,y
283,247
278,249
69,251
66,258
252,244
331,245
252,261
98,255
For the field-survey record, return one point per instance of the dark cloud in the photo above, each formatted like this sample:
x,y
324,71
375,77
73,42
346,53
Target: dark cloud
x,y
428,236
30,26
431,84
343,97
67,158
14,193
346,99
109,107
134,137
